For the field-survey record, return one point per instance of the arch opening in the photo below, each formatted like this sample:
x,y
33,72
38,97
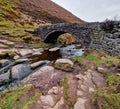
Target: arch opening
x,y
53,36
60,37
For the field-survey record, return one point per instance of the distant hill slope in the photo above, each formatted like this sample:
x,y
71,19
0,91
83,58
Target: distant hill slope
x,y
33,12
47,11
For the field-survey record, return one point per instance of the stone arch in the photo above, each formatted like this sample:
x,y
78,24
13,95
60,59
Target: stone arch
x,y
53,36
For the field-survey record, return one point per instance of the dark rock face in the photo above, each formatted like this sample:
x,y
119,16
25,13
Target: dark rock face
x,y
88,34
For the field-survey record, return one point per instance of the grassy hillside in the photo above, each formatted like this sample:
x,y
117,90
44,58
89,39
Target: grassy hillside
x,y
8,13
13,23
19,15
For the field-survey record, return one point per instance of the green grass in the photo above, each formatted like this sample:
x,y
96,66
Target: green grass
x,y
11,99
113,100
98,58
69,101
64,83
111,60
39,45
66,86
7,54
109,101
7,24
108,97
8,10
12,27
31,100
18,34
113,80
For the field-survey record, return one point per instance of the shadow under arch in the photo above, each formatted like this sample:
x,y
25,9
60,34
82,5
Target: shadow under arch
x,y
53,36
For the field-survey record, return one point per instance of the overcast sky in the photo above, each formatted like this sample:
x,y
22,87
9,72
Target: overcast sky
x,y
92,10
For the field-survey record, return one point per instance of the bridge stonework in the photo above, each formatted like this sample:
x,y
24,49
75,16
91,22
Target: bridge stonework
x,y
88,34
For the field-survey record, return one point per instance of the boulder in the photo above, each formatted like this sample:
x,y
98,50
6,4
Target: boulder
x,y
48,69
16,57
54,49
18,61
60,104
36,53
98,80
38,64
4,78
5,68
24,52
40,77
48,100
38,50
35,74
80,104
20,71
54,90
64,64
64,61
32,77
4,62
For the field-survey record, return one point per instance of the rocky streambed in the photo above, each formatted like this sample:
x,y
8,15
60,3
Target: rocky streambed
x,y
28,61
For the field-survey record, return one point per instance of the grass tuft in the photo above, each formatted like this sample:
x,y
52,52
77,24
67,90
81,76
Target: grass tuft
x,y
16,98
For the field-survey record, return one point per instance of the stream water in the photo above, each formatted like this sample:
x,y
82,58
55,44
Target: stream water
x,y
71,51
64,52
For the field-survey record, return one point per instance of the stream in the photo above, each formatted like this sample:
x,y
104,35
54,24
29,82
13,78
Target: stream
x,y
63,52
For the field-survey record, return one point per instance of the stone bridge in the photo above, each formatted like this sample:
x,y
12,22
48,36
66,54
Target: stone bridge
x,y
81,31
88,34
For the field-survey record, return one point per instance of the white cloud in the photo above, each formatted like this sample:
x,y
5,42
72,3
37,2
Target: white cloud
x,y
92,10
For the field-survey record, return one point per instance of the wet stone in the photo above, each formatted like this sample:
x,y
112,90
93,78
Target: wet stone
x,y
38,64
18,61
20,71
4,78
54,49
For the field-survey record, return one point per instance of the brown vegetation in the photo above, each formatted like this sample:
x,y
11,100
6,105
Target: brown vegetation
x,y
46,11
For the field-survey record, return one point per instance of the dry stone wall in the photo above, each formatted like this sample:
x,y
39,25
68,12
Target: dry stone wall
x,y
107,40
